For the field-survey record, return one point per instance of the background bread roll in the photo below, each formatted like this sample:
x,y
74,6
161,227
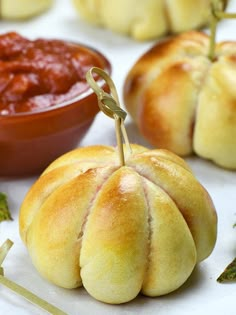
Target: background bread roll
x,y
23,9
145,19
183,101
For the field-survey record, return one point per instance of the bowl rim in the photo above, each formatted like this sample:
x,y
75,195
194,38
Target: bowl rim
x,y
83,95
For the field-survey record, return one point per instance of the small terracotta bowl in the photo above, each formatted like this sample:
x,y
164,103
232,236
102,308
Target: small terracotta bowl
x,y
29,141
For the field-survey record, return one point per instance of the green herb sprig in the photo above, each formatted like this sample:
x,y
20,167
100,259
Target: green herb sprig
x,y
229,274
5,214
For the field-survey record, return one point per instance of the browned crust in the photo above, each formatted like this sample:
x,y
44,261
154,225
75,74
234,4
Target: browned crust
x,y
164,89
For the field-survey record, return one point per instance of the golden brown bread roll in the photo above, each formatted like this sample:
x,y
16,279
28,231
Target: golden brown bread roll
x,y
118,230
23,9
182,101
145,19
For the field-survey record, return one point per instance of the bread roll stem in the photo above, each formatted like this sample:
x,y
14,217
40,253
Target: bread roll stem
x,y
217,9
110,105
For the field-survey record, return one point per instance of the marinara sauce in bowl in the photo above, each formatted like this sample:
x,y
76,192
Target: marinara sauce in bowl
x,y
46,105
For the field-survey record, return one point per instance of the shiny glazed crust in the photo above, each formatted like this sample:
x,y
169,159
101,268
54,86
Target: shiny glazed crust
x,y
145,19
182,101
118,230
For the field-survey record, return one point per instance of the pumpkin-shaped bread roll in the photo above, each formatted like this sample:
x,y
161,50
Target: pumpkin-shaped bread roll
x,y
23,9
183,101
145,19
118,230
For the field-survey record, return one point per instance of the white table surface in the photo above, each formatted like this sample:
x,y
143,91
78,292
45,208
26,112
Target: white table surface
x,y
201,294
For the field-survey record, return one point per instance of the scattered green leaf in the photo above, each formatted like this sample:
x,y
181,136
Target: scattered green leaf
x,y
4,210
229,274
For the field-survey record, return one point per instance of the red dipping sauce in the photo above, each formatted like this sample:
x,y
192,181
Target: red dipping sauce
x,y
36,74
46,105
